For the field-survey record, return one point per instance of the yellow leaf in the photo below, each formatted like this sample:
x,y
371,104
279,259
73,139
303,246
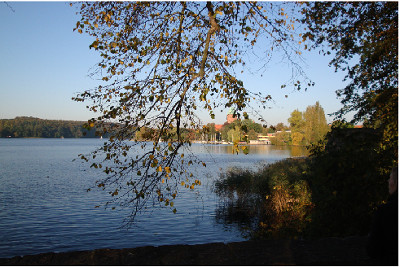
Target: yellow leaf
x,y
159,169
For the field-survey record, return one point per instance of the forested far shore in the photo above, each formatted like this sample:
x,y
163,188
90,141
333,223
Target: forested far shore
x,y
40,128
305,128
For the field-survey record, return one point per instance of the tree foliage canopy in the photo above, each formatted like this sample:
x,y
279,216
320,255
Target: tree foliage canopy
x,y
364,39
315,127
308,127
162,62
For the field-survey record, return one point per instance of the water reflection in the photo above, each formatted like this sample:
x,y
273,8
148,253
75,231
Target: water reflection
x,y
292,151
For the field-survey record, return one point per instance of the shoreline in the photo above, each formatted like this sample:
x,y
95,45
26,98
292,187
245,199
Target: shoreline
x,y
326,251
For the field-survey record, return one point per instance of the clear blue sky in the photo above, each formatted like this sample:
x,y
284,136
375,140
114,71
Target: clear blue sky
x,y
44,63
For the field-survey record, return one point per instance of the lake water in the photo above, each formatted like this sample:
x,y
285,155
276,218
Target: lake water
x,y
44,206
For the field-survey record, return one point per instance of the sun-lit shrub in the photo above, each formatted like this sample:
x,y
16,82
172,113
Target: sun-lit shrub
x,y
276,199
287,212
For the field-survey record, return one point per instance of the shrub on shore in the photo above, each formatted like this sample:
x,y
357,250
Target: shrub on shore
x,y
275,199
333,192
348,181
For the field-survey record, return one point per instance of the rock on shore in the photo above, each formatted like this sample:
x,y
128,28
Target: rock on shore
x,y
329,251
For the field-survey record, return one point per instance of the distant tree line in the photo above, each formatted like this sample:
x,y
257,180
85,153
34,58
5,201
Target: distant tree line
x,y
305,128
35,127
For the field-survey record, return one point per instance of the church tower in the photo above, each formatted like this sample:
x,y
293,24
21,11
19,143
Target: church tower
x,y
231,117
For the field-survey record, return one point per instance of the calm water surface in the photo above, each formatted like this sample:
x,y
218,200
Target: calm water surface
x,y
44,206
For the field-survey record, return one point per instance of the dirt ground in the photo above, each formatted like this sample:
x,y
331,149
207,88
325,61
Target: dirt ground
x,y
329,251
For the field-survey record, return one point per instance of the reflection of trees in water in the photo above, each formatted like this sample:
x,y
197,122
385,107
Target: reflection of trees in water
x,y
298,151
240,213
263,220
239,206
293,151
